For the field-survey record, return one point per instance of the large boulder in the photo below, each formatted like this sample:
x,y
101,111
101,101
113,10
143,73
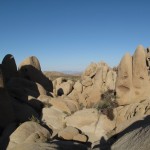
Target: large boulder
x,y
23,112
21,88
2,83
30,69
132,81
64,88
64,104
124,87
71,104
94,126
141,81
4,136
6,109
33,61
131,113
60,104
135,137
53,118
68,133
9,67
79,120
29,132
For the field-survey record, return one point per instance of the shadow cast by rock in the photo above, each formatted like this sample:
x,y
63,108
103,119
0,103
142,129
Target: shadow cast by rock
x,y
31,73
60,92
136,128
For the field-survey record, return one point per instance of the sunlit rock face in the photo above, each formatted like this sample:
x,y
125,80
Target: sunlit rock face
x,y
133,83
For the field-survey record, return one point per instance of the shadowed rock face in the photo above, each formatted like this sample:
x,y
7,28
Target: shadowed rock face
x,y
30,73
21,88
31,70
147,50
9,67
1,78
6,109
133,82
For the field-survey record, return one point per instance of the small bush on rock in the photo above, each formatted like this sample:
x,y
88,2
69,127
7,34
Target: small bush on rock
x,y
34,119
107,103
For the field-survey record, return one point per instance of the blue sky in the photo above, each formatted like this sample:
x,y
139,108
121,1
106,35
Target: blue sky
x,y
70,34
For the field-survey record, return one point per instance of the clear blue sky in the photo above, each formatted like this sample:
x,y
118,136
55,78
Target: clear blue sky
x,y
70,34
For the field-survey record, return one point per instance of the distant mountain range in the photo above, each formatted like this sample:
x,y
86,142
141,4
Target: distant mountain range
x,y
72,72
73,75
63,73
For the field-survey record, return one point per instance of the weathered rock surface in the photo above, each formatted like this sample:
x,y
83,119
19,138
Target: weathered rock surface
x,y
78,87
59,104
133,82
97,79
31,70
33,61
131,113
95,125
28,132
56,145
91,70
64,88
53,118
124,80
68,133
135,137
80,138
87,81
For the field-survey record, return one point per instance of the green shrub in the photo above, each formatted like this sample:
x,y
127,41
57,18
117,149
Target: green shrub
x,y
65,112
34,119
107,103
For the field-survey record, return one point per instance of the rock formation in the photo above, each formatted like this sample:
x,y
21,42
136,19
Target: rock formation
x,y
132,81
6,109
107,108
9,67
30,69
